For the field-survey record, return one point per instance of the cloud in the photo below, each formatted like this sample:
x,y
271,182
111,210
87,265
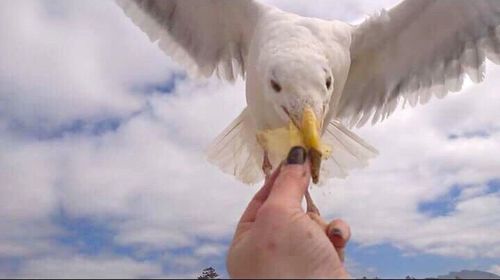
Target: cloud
x,y
64,60
495,269
89,267
97,123
344,10
358,271
420,163
209,250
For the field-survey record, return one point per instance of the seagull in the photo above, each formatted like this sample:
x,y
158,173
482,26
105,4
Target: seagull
x,y
310,81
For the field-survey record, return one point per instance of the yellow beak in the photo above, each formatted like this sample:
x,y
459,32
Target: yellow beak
x,y
310,129
312,140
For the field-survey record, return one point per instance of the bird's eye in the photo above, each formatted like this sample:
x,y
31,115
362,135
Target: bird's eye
x,y
328,82
275,86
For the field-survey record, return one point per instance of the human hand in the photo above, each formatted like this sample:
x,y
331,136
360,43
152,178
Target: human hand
x,y
275,238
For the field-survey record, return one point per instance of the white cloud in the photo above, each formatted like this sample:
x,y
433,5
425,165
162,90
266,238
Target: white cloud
x,y
148,179
495,269
419,163
209,250
357,270
75,65
345,10
89,267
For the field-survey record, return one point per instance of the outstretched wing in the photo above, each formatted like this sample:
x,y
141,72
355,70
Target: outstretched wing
x,y
416,50
205,36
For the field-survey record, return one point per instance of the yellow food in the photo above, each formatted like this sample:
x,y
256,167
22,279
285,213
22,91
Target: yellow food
x,y
279,141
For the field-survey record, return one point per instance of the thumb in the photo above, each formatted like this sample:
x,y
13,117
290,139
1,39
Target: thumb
x,y
293,180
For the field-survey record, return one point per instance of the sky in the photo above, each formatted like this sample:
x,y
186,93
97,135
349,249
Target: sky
x,y
103,172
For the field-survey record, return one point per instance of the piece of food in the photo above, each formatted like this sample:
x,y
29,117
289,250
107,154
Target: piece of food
x,y
278,142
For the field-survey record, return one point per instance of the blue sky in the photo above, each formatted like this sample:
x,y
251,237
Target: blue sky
x,y
102,169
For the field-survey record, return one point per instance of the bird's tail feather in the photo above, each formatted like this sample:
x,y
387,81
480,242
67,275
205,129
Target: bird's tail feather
x,y
237,152
348,151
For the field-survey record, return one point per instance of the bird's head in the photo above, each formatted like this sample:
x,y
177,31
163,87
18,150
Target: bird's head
x,y
300,90
294,85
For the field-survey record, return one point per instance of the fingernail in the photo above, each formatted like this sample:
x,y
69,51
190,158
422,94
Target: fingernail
x,y
297,155
336,232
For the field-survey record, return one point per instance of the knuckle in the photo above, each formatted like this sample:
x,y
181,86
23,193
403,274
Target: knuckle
x,y
271,209
293,174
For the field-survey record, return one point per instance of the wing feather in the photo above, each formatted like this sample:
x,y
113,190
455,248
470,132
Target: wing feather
x,y
417,50
205,36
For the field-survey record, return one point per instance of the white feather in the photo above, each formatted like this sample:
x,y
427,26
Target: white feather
x,y
417,50
349,152
236,151
205,36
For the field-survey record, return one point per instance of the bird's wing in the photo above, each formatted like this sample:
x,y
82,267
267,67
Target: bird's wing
x,y
205,36
416,50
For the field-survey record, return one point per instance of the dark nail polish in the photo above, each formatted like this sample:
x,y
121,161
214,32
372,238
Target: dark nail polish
x,y
297,155
336,232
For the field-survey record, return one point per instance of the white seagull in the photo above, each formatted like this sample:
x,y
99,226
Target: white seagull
x,y
321,76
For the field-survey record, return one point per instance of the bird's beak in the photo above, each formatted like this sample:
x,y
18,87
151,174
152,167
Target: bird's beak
x,y
310,129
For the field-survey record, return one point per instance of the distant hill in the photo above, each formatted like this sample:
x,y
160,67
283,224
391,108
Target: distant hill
x,y
469,274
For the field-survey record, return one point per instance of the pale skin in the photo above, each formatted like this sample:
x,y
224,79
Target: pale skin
x,y
276,238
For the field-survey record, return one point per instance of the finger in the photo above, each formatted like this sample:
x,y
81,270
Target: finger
x,y
317,218
259,198
311,207
293,179
339,233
